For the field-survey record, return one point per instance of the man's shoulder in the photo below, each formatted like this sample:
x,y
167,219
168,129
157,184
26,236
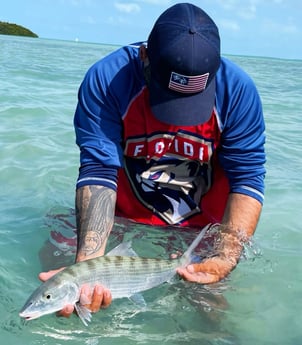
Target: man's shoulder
x,y
230,72
232,80
121,56
121,69
234,90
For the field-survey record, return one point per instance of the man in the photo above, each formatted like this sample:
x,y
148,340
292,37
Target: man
x,y
169,133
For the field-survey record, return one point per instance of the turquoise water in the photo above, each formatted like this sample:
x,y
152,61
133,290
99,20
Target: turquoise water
x,y
260,302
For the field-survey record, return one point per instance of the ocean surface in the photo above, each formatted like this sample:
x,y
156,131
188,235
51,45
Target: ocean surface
x,y
259,303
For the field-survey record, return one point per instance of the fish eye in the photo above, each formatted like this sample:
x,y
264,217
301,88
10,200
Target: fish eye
x,y
47,296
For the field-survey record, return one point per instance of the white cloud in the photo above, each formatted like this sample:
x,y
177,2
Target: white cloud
x,y
155,2
129,7
87,20
229,25
286,28
290,29
243,9
248,12
118,20
76,3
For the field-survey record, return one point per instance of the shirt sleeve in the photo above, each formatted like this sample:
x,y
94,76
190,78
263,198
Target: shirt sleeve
x,y
241,153
103,97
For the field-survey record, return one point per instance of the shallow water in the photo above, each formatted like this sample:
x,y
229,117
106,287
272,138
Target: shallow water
x,y
259,303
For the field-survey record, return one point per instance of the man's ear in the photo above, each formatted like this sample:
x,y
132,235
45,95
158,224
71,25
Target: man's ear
x,y
143,53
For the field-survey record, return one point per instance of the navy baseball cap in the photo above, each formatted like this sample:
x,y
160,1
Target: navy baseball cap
x,y
184,54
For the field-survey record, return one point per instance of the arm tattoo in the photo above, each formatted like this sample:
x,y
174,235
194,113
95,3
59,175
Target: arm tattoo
x,y
95,207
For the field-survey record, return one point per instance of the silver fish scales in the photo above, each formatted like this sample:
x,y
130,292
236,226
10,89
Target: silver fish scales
x,y
126,276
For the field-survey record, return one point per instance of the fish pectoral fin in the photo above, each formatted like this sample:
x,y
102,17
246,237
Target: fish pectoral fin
x,y
83,313
138,299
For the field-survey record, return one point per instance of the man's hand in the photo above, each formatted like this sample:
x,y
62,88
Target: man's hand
x,y
227,249
238,226
93,299
208,271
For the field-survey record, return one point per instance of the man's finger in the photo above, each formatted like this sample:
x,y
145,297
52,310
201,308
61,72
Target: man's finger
x,y
197,277
43,276
107,298
97,298
66,311
94,300
86,295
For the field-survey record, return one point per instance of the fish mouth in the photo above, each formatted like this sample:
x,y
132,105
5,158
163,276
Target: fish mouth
x,y
28,317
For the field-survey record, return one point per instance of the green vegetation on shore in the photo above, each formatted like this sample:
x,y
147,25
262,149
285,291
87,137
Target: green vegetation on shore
x,y
16,30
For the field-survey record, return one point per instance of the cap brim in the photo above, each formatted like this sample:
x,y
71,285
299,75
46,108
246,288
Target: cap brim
x,y
182,110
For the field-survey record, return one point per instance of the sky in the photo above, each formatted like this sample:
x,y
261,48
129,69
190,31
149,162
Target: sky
x,y
269,28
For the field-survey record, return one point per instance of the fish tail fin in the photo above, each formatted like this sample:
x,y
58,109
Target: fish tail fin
x,y
186,257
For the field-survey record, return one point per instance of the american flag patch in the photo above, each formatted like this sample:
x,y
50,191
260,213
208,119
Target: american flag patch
x,y
188,84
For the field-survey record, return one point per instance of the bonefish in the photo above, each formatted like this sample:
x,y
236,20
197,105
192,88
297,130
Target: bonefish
x,y
124,276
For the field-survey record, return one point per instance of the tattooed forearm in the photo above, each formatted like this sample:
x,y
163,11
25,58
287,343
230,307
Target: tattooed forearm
x,y
95,216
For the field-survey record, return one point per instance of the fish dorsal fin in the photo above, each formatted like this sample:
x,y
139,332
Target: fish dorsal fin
x,y
123,249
